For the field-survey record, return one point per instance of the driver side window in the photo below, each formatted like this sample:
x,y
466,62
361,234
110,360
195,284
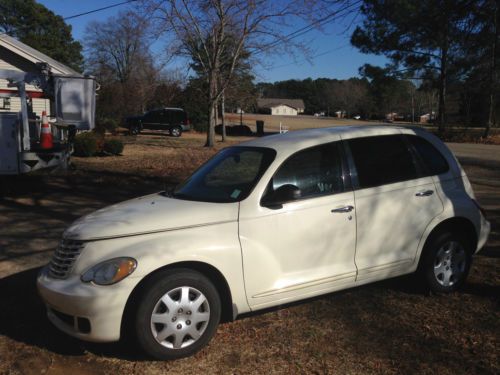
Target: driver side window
x,y
316,171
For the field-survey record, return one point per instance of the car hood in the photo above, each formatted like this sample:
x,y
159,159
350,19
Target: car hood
x,y
149,214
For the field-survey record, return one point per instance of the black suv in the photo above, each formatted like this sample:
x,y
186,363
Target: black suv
x,y
175,120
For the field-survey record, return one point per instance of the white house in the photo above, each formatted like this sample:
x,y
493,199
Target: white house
x,y
15,55
428,117
288,107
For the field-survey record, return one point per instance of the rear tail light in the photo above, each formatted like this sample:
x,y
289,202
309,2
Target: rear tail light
x,y
187,122
479,208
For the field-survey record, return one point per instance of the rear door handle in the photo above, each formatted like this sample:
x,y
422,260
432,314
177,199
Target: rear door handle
x,y
343,209
424,193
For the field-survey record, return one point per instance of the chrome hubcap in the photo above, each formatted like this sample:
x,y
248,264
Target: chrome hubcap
x,y
175,132
180,317
449,264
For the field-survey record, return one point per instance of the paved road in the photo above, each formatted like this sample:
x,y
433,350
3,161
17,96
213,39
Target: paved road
x,y
487,153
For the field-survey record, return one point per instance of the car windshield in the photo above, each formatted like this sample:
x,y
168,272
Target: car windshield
x,y
229,176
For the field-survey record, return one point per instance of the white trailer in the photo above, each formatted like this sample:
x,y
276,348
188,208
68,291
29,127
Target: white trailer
x,y
72,102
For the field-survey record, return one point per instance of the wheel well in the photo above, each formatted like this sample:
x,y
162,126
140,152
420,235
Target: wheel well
x,y
459,225
212,273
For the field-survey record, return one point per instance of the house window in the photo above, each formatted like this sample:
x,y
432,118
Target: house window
x,y
5,103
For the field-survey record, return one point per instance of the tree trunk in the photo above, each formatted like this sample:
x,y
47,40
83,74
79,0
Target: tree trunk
x,y
223,109
493,76
216,112
211,113
443,78
442,95
211,127
412,106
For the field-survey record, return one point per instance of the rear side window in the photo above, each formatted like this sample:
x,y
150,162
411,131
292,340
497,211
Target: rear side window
x,y
434,162
315,171
382,160
174,116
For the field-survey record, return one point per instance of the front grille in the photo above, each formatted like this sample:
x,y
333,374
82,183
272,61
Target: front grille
x,y
64,258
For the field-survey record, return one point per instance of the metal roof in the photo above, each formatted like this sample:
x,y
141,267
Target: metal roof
x,y
31,54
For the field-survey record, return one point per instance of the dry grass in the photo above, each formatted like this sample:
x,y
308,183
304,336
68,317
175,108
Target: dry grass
x,y
385,328
272,123
156,155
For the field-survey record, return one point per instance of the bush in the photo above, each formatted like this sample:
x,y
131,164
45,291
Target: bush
x,y
113,146
106,124
85,144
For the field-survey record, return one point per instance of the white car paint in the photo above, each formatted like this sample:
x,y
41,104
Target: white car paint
x,y
267,257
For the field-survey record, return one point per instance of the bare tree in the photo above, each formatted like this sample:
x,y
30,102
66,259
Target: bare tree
x,y
492,87
203,28
117,52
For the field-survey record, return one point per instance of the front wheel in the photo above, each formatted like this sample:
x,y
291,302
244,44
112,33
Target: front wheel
x,y
176,131
178,314
134,130
446,262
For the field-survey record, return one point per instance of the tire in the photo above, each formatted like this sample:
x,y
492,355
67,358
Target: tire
x,y
134,130
446,262
177,314
176,131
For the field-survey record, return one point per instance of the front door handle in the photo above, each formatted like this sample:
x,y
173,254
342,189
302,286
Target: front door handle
x,y
424,193
343,209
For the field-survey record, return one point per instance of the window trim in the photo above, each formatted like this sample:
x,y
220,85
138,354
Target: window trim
x,y
346,180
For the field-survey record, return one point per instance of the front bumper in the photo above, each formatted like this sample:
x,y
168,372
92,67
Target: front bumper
x,y
84,310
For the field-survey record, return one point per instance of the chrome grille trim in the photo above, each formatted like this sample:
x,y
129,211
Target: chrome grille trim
x,y
64,258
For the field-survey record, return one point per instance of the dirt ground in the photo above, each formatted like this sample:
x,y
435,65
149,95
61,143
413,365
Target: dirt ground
x,y
390,327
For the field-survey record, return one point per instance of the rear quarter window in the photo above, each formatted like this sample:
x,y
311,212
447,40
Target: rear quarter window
x,y
434,162
382,160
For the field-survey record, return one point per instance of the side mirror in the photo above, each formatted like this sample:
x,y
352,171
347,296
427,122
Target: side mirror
x,y
285,193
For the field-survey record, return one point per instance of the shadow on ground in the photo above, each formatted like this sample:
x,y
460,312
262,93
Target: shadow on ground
x,y
23,318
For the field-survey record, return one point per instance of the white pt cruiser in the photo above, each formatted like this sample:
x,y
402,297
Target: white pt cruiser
x,y
271,221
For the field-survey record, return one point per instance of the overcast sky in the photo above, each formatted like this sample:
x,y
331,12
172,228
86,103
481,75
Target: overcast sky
x,y
334,56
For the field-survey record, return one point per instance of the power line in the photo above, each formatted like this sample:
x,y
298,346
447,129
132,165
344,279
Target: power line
x,y
98,10
313,57
304,30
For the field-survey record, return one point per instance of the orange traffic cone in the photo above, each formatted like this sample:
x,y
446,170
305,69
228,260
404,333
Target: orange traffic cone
x,y
46,141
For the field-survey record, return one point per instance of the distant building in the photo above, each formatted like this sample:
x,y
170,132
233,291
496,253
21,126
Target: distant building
x,y
340,114
428,117
287,107
394,116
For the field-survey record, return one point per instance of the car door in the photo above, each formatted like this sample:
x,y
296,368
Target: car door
x,y
395,201
303,247
149,120
164,119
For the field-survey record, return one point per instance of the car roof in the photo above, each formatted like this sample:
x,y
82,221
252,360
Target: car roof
x,y
299,139
168,108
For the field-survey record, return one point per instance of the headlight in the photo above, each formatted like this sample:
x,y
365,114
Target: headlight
x,y
110,271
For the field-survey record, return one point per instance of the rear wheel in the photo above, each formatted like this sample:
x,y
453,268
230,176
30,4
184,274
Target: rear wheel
x,y
177,315
446,262
176,131
134,130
